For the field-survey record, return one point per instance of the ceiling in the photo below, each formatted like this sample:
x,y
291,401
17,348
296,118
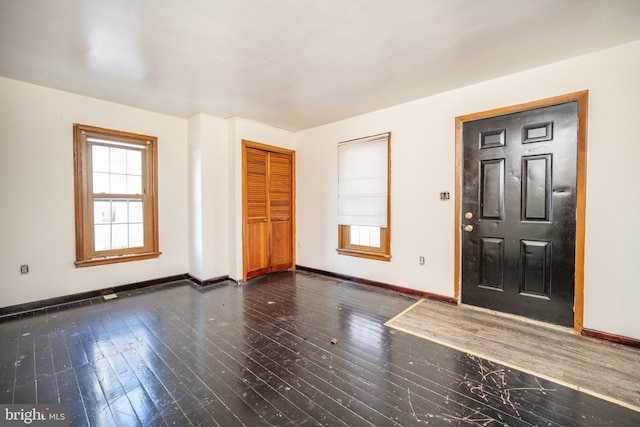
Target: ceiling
x,y
293,64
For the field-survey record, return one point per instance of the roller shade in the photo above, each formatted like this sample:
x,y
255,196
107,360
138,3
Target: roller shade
x,y
363,167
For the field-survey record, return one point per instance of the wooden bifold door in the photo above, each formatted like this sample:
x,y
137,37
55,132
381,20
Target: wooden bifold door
x,y
268,209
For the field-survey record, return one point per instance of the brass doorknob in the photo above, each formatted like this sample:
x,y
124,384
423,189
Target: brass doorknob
x,y
468,228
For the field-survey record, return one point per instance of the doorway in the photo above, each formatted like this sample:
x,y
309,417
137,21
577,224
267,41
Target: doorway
x,y
268,209
520,209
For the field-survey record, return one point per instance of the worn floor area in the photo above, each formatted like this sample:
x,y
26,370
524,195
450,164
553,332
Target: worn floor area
x,y
601,368
262,354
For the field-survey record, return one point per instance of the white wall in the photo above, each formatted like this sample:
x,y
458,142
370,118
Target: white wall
x,y
423,164
36,188
208,197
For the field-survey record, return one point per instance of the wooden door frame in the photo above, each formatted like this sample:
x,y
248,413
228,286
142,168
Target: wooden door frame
x,y
273,149
582,98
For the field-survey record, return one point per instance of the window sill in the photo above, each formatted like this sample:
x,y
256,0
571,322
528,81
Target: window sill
x,y
364,254
116,259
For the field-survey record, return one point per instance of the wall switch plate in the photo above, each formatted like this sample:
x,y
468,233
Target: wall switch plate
x,y
24,269
444,195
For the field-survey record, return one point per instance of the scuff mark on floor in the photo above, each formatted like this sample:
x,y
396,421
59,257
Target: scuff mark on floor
x,y
413,411
476,418
492,386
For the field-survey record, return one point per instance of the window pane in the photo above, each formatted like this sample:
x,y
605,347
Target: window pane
x,y
365,232
374,235
118,160
359,234
354,235
102,237
120,211
136,235
100,182
101,211
134,184
135,211
364,236
134,162
100,158
119,236
369,232
118,184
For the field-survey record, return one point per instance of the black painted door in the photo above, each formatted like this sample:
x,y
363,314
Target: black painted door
x,y
519,212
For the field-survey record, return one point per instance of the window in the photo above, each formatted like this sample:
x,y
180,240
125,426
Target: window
x,y
115,196
363,197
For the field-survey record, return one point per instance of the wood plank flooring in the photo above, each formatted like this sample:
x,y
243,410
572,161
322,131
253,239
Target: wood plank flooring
x,y
598,367
262,354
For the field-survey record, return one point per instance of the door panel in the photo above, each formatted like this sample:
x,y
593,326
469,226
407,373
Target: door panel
x,y
280,245
492,188
536,188
535,259
491,263
519,190
280,208
256,243
257,253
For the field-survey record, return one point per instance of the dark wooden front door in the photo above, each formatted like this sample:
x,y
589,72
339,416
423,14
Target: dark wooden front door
x,y
519,212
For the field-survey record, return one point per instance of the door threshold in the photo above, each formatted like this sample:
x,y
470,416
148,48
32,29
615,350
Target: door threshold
x,y
559,328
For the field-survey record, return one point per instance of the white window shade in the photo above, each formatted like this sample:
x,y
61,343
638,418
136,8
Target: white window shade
x,y
363,167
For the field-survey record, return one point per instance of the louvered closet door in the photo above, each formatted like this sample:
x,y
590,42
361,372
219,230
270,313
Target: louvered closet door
x,y
268,204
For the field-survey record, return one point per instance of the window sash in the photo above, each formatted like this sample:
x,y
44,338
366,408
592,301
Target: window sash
x,y
108,178
119,225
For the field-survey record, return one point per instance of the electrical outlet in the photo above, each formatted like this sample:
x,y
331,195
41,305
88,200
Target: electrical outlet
x,y
24,269
421,260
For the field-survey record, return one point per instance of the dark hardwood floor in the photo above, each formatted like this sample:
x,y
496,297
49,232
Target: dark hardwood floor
x,y
262,354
